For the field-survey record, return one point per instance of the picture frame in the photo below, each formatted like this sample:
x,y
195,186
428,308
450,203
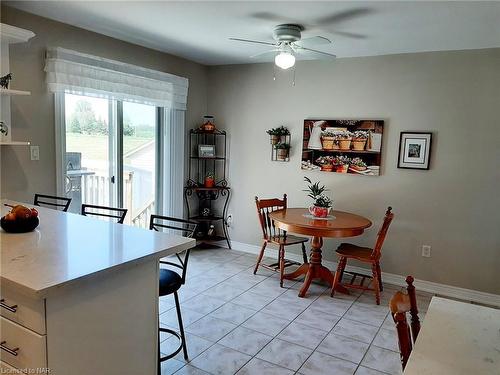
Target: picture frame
x,y
414,150
206,151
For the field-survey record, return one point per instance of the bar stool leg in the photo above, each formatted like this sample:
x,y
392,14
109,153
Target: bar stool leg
x,y
181,325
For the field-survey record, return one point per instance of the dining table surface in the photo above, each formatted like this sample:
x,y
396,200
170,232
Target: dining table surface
x,y
339,224
457,338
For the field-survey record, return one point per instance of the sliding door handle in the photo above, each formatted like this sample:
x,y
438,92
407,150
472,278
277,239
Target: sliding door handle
x,y
13,352
12,308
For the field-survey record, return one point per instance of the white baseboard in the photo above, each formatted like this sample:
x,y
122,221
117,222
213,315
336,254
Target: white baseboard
x,y
390,278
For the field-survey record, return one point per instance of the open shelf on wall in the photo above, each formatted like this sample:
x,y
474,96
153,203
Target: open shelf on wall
x,y
11,92
350,151
14,143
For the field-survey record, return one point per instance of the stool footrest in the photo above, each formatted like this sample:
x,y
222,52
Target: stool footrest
x,y
176,351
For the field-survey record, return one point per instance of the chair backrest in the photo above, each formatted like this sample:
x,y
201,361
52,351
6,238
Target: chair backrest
x,y
113,213
377,249
264,208
51,201
401,304
185,228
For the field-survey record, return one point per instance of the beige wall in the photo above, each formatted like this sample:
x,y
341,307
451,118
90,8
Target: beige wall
x,y
454,207
33,116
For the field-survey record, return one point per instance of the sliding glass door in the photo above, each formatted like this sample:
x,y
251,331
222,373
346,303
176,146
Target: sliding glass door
x,y
111,155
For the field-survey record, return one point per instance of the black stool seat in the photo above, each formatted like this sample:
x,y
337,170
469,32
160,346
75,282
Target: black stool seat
x,y
170,282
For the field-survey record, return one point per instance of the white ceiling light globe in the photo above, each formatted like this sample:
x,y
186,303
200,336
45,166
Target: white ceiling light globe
x,y
284,60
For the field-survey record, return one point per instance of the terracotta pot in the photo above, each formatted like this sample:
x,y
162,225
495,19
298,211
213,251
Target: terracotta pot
x,y
327,143
342,168
358,144
344,144
275,139
281,153
209,182
319,211
327,167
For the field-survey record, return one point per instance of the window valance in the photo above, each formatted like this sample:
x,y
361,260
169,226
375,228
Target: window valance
x,y
79,73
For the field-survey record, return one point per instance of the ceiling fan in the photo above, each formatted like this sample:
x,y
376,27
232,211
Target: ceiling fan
x,y
289,43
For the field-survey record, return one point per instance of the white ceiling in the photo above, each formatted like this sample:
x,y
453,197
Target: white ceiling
x,y
200,30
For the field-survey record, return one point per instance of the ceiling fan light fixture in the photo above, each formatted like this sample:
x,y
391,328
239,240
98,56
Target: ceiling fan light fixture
x,y
284,60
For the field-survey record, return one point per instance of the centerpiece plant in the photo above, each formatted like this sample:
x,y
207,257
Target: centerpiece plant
x,y
322,203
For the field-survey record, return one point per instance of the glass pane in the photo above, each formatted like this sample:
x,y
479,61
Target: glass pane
x,y
87,150
139,162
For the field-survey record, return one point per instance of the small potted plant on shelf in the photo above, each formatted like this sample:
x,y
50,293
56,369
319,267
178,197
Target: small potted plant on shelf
x,y
282,150
340,164
322,203
357,164
359,140
276,134
209,180
328,140
325,162
345,139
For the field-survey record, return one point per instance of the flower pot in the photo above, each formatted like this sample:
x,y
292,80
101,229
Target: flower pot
x,y
358,144
319,211
345,144
275,139
327,167
281,153
342,168
327,142
209,182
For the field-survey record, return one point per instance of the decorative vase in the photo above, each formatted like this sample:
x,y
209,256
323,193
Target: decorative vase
x,y
345,144
358,144
327,143
209,182
319,211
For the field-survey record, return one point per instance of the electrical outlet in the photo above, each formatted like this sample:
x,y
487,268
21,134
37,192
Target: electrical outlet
x,y
35,152
426,251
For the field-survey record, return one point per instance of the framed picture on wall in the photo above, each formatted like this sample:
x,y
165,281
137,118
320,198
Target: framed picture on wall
x,y
414,150
206,151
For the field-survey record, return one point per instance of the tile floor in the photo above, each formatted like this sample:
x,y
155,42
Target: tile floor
x,y
245,324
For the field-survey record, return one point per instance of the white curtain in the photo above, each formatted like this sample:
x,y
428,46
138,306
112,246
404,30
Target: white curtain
x,y
173,160
79,73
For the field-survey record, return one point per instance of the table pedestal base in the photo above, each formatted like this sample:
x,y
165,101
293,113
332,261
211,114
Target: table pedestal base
x,y
314,270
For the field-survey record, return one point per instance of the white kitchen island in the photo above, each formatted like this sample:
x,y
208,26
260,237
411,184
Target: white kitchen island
x,y
80,296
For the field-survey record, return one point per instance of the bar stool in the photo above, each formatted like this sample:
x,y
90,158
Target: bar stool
x,y
171,281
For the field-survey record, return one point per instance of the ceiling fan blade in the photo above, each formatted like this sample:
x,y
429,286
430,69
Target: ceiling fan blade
x,y
263,54
344,15
300,49
253,41
313,41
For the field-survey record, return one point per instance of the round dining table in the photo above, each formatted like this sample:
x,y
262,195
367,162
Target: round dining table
x,y
339,224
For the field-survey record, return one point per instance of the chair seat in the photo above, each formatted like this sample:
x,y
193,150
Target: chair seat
x,y
353,251
170,282
288,240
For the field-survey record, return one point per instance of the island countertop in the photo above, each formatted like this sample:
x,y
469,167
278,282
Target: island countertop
x,y
68,248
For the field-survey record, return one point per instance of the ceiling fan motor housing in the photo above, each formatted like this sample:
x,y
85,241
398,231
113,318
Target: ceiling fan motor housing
x,y
287,33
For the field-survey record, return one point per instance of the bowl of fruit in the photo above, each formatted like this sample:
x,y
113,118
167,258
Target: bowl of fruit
x,y
20,219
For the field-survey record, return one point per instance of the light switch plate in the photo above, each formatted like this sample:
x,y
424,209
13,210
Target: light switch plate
x,y
35,152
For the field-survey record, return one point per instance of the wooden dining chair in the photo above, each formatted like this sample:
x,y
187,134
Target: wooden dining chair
x,y
366,255
171,281
51,201
113,213
401,304
273,235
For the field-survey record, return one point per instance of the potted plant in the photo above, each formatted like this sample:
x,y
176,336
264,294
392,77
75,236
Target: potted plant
x,y
359,140
328,140
358,164
322,203
282,150
340,164
325,162
276,134
209,180
345,139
